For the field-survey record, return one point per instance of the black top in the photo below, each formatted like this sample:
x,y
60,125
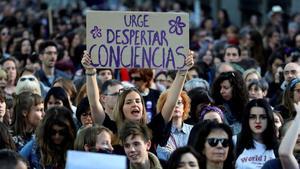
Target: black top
x,y
152,96
160,130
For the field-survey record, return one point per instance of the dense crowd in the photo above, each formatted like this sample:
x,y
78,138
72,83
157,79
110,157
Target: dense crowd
x,y
236,107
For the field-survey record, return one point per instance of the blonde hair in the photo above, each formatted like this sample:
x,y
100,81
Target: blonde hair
x,y
118,109
185,99
249,72
88,136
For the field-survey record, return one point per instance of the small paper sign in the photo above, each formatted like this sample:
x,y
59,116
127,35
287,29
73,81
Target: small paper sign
x,y
84,160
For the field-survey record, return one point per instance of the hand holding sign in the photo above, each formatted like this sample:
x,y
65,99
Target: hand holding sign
x,y
189,61
86,62
137,39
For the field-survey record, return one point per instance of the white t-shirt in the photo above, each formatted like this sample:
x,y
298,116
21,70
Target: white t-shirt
x,y
254,158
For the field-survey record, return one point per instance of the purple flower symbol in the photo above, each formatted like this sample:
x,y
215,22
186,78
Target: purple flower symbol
x,y
176,26
96,32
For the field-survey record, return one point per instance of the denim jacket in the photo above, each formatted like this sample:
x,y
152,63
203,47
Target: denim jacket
x,y
31,152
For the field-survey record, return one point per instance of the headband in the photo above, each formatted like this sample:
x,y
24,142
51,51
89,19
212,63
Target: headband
x,y
209,108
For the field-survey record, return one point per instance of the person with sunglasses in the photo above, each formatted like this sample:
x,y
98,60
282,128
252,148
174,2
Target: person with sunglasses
x,y
257,142
214,144
130,104
54,136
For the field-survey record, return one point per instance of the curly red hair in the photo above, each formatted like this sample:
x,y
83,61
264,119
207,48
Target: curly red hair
x,y
185,99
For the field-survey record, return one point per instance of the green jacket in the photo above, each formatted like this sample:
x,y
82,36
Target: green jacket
x,y
154,162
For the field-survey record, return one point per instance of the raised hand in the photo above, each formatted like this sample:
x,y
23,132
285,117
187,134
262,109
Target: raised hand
x,y
189,61
86,60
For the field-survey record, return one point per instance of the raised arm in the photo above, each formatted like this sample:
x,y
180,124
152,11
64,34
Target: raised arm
x,y
97,110
286,148
175,89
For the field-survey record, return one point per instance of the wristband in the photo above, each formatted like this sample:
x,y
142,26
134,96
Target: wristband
x,y
182,72
91,74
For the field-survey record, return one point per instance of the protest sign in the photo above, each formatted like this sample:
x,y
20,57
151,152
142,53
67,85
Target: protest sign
x,y
156,40
83,160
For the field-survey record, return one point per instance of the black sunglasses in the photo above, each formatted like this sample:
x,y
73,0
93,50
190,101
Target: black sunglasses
x,y
26,78
5,33
136,78
213,142
61,132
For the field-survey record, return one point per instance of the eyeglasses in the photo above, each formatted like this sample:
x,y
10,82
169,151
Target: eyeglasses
x,y
136,78
113,94
61,132
128,89
5,33
213,142
27,78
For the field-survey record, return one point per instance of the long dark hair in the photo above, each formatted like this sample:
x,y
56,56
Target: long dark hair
x,y
288,97
60,94
257,50
239,92
199,96
245,139
53,154
6,141
199,141
175,157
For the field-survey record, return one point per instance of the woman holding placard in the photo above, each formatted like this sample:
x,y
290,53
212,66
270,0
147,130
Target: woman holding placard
x,y
130,105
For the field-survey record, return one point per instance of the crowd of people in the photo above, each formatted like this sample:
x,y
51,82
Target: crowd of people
x,y
235,107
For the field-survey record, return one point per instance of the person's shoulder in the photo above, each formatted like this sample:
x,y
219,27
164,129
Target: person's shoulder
x,y
188,126
39,73
62,74
272,164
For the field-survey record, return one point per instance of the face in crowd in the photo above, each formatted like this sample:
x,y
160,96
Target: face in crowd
x,y
136,149
216,146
